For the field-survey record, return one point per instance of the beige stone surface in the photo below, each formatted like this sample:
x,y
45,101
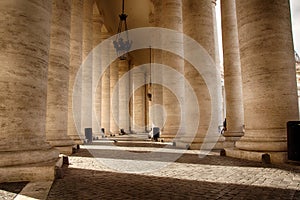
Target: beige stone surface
x,y
156,106
23,83
232,73
199,25
171,17
124,119
87,67
139,99
114,100
58,78
268,71
105,99
97,93
74,130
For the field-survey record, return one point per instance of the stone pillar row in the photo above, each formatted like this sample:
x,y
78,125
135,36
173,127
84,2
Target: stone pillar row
x,y
41,54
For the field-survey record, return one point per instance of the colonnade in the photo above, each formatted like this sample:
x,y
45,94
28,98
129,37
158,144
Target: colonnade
x,y
45,43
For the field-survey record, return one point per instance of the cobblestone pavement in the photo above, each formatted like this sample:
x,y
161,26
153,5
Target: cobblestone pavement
x,y
103,173
10,190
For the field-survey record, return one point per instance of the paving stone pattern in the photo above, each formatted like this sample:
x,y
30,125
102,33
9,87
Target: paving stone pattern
x,y
9,191
213,177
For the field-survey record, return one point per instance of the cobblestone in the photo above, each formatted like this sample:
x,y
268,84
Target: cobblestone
x,y
189,177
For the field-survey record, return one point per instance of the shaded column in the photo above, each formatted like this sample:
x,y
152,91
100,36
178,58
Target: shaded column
x,y
74,124
25,38
232,73
114,98
156,107
269,81
105,94
199,24
58,78
97,93
138,99
172,19
124,120
87,67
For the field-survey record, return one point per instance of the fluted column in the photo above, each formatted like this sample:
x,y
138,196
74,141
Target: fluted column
x,y
172,19
87,68
105,94
74,125
124,121
232,73
24,38
58,78
97,95
268,71
199,24
114,99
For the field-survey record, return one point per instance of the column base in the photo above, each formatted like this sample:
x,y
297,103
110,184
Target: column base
x,y
34,172
275,157
230,141
66,150
76,139
167,137
198,143
64,146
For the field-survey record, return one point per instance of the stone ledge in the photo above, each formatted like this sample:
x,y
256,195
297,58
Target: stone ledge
x,y
36,172
275,157
35,190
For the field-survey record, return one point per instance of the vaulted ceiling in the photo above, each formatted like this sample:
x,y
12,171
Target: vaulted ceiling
x,y
137,10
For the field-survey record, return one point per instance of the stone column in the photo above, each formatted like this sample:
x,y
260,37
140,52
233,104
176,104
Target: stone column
x,y
138,99
105,94
58,78
87,67
232,73
199,24
114,100
124,121
172,19
97,95
74,125
269,81
156,108
24,38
